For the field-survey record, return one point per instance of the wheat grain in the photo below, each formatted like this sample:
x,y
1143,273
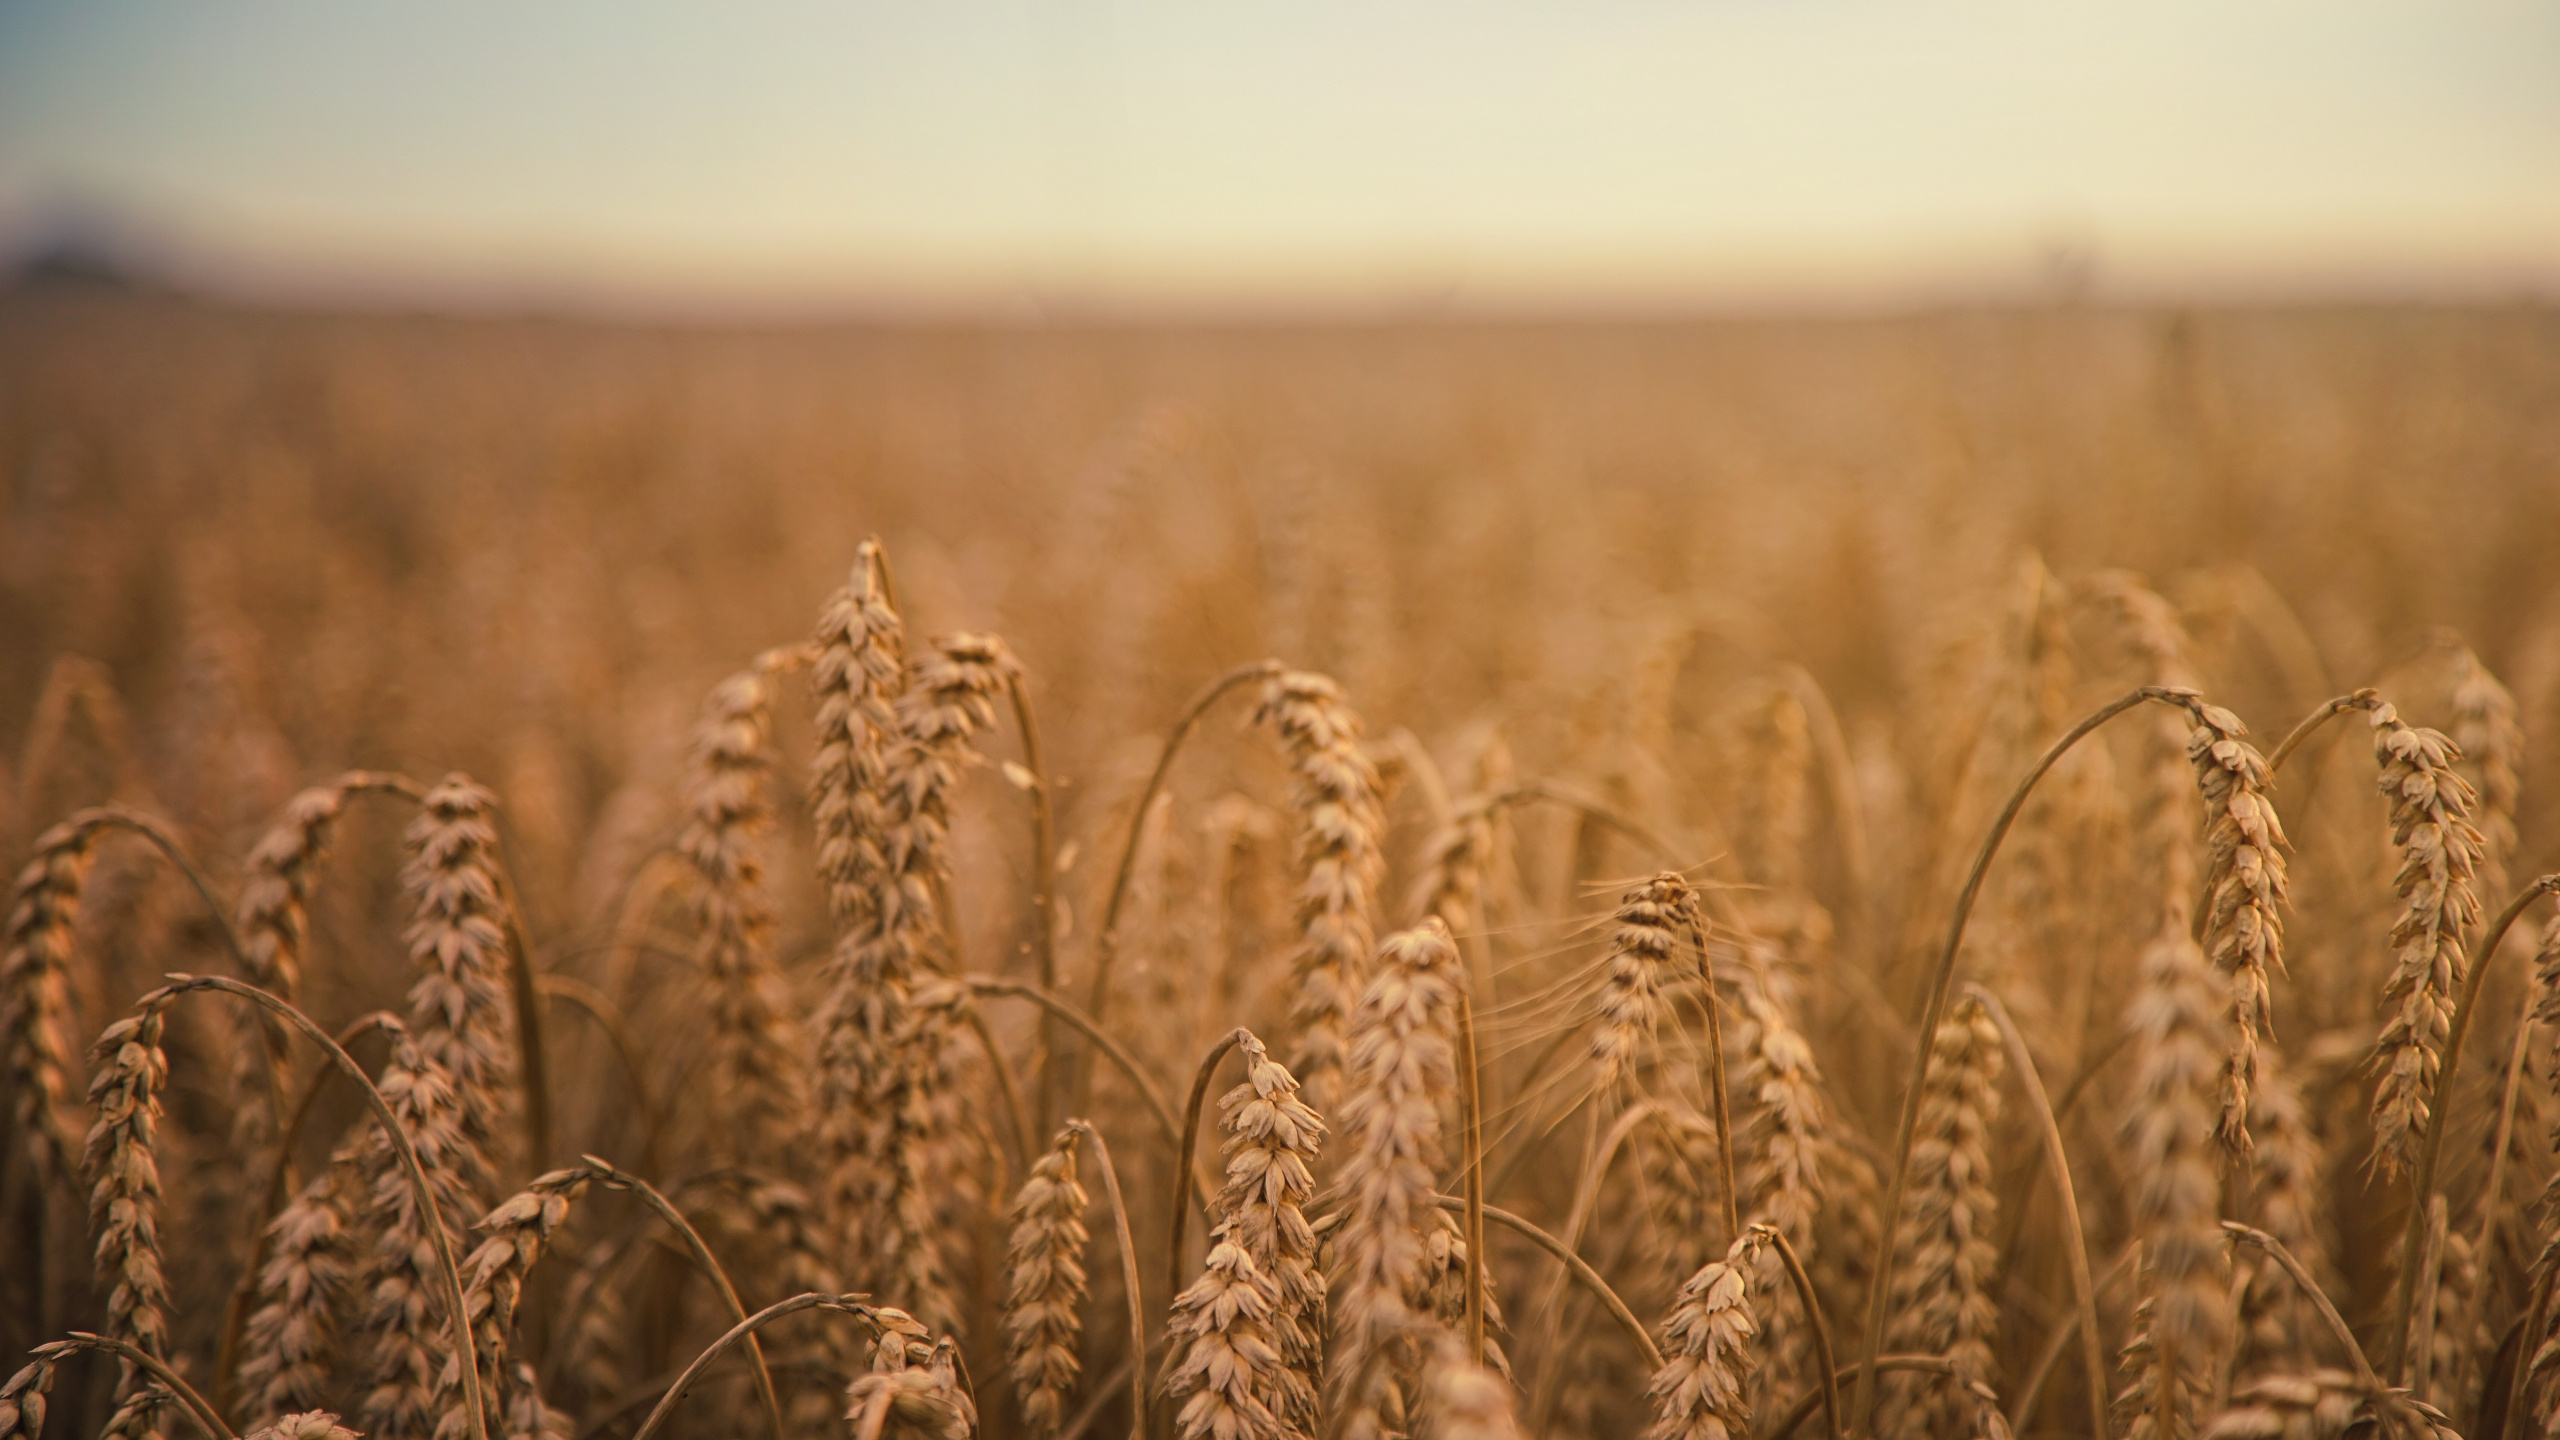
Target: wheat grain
x,y
1335,791
1045,1285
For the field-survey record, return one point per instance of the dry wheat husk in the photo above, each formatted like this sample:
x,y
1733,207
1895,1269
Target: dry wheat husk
x,y
1702,1391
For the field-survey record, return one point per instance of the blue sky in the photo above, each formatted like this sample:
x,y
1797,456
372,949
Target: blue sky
x,y
768,154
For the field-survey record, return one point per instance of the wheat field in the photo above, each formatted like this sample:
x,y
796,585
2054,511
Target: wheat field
x,y
1968,873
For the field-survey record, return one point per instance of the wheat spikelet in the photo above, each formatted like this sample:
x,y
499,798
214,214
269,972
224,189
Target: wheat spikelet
x,y
2244,884
1643,958
2298,1405
1444,1288
1463,1400
23,1397
401,1322
754,1053
1045,1285
1335,791
291,1350
913,1391
1942,1298
2180,1324
1702,1391
493,1283
2439,860
124,1196
34,989
460,1018
1455,859
1402,1068
308,1425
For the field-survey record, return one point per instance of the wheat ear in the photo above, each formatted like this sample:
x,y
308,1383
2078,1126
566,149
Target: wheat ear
x,y
1462,1400
35,989
1228,1379
1644,956
1702,1391
2240,927
755,1055
2440,855
1045,1285
2180,1324
1402,1070
1943,1298
1335,792
124,1196
460,1011
291,1351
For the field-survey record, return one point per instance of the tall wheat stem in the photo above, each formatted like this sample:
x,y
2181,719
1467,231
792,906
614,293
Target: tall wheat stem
x,y
1862,1407
2422,1181
1128,1279
2084,1292
1716,1082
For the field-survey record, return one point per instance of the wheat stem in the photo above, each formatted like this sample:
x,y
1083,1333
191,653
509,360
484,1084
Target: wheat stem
x,y
2075,1245
1862,1407
844,1304
1128,1278
1185,1147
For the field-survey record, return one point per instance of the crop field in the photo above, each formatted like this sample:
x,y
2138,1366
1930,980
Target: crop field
x,y
1960,874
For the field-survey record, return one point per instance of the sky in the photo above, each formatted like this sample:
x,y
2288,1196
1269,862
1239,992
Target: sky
x,y
760,155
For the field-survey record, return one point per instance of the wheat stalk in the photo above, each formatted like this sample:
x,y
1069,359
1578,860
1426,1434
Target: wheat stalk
x,y
1335,792
1045,1285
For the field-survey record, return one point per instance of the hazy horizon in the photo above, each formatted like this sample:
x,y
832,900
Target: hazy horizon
x,y
1412,156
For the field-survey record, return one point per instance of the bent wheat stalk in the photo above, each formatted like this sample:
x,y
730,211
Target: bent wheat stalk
x,y
2075,1245
464,1351
1128,1278
843,1304
1933,1013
